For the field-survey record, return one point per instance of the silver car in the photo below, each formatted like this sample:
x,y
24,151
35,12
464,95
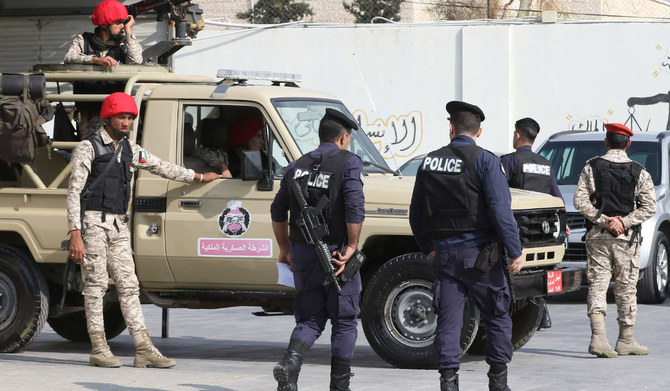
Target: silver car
x,y
568,153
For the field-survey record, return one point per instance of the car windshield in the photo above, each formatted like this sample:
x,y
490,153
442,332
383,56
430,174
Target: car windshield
x,y
569,158
411,166
302,117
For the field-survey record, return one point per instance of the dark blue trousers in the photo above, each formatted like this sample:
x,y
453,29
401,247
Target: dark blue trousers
x,y
457,277
315,303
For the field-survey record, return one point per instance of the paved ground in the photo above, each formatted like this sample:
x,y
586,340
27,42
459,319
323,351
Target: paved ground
x,y
230,349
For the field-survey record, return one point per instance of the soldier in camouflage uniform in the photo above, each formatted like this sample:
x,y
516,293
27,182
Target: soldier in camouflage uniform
x,y
616,195
113,43
103,249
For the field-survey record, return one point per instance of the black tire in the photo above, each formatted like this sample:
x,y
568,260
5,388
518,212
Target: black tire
x,y
72,326
526,317
397,314
24,300
652,287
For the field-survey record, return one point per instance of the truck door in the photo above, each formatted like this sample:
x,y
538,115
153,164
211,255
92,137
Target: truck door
x,y
219,234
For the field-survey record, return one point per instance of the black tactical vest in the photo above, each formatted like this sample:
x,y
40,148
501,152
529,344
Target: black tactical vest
x,y
615,186
115,52
113,193
321,176
454,200
532,172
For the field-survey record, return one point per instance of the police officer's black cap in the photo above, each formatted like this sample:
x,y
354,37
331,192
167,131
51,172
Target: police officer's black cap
x,y
456,106
340,118
528,123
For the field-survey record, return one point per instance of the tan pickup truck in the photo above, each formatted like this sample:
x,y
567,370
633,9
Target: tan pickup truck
x,y
186,253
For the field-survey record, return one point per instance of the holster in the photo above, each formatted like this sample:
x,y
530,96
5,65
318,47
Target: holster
x,y
488,256
352,266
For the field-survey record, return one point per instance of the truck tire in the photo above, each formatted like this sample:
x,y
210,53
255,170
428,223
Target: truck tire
x,y
526,316
24,300
652,287
397,314
72,326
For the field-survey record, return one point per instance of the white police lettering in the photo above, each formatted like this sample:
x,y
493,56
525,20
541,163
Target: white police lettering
x,y
300,173
320,180
539,169
441,163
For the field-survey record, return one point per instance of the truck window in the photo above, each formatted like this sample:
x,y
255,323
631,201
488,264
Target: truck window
x,y
207,141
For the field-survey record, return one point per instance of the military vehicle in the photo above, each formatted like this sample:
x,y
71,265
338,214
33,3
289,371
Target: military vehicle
x,y
211,245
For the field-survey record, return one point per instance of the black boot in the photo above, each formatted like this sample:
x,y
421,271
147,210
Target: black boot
x,y
448,380
340,374
287,370
545,321
498,381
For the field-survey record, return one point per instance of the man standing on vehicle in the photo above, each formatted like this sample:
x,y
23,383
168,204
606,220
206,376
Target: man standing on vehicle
x,y
336,173
615,194
529,171
460,214
108,46
103,249
113,43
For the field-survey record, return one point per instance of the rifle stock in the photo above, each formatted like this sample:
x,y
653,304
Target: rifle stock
x,y
313,228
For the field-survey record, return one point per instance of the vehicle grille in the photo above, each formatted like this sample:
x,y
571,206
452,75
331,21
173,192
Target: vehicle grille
x,y
539,227
575,252
576,220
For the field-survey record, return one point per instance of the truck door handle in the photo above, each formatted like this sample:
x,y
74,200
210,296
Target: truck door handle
x,y
190,204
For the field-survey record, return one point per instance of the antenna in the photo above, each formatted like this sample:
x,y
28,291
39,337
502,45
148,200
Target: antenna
x,y
374,108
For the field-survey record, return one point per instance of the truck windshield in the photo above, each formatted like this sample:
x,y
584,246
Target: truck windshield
x,y
569,158
302,117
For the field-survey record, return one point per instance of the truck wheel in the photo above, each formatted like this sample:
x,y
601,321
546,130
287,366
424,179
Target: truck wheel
x,y
398,317
72,326
526,316
24,300
652,286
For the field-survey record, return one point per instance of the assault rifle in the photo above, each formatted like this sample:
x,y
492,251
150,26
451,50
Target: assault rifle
x,y
313,227
508,276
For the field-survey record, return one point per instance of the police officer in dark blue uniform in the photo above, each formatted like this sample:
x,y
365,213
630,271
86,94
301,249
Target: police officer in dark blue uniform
x,y
461,205
526,169
333,171
529,171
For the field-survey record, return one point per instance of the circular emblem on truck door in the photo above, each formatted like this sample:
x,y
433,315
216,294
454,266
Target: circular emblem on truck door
x,y
546,228
235,219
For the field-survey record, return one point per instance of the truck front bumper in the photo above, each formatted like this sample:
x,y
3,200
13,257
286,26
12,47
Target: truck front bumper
x,y
534,283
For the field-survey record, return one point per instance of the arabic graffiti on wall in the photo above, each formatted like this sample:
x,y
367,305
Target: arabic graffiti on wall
x,y
238,248
396,136
590,123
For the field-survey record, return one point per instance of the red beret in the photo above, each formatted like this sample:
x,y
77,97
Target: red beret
x,y
619,128
243,130
118,103
108,12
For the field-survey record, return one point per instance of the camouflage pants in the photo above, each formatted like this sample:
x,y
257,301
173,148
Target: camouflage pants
x,y
108,254
605,256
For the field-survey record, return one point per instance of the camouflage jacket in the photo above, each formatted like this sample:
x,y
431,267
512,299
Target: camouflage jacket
x,y
83,156
76,55
586,187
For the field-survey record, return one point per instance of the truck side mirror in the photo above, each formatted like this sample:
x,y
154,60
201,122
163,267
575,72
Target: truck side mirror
x,y
252,166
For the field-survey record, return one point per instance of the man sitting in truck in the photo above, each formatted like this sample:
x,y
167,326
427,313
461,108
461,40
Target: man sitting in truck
x,y
102,170
245,135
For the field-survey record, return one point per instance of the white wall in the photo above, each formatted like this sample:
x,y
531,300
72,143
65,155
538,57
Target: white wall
x,y
566,76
